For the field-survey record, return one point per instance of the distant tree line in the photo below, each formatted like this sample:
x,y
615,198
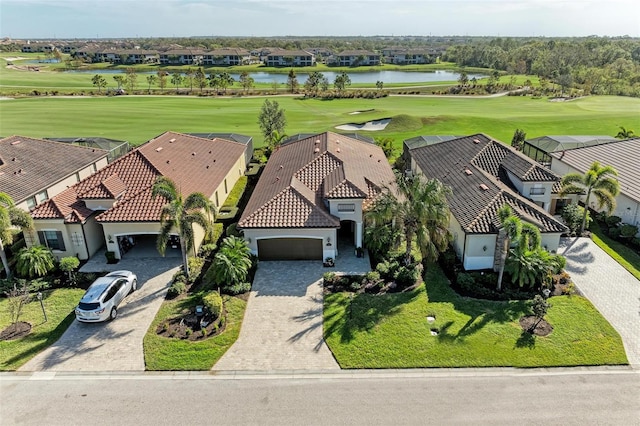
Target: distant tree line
x,y
594,65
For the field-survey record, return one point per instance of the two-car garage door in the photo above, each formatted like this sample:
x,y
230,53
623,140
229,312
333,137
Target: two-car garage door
x,y
290,249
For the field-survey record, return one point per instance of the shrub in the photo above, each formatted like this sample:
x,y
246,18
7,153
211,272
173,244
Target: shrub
x,y
628,230
188,332
572,215
615,232
176,289
213,302
372,276
387,269
406,276
232,230
179,276
195,267
236,193
236,289
465,281
329,278
355,286
206,250
613,221
68,265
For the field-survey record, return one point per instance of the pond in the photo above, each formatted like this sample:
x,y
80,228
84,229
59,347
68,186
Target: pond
x,y
369,77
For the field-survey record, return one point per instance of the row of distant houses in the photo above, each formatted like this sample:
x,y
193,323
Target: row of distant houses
x,y
311,196
274,57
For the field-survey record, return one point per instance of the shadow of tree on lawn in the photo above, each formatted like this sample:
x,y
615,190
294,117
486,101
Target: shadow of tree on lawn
x,y
480,312
352,313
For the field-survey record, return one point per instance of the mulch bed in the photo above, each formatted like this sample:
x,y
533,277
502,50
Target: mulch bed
x,y
15,331
542,329
187,327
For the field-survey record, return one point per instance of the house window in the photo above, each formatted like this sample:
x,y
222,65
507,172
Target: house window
x,y
537,191
31,203
52,239
346,207
42,196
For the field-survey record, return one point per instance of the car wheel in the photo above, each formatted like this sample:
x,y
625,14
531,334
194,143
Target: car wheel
x,y
134,285
114,313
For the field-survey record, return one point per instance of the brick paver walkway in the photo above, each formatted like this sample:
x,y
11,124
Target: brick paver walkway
x,y
114,345
610,287
282,326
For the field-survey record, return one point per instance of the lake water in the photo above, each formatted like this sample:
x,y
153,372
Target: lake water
x,y
356,77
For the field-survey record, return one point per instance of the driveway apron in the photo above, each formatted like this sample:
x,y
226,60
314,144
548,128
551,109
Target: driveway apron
x,y
114,345
282,326
610,287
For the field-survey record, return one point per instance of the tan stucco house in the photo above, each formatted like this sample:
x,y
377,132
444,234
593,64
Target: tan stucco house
x,y
485,174
116,203
311,196
34,170
622,155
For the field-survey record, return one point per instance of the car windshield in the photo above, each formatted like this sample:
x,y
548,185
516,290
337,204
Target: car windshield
x,y
88,306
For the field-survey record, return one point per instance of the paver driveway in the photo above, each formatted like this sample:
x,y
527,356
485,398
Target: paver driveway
x,y
115,345
282,326
610,287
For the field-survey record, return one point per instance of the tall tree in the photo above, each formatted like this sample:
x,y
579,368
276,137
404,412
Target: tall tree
x,y
517,141
176,80
190,73
99,81
625,133
271,121
510,230
119,80
151,79
35,261
225,80
200,78
162,79
131,78
246,81
598,181
10,217
342,81
418,208
292,81
179,215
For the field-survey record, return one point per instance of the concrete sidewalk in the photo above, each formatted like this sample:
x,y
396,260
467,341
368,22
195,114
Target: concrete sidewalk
x,y
610,287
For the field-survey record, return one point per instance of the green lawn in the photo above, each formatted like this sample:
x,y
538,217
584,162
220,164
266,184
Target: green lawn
x,y
59,305
392,331
162,353
622,254
138,119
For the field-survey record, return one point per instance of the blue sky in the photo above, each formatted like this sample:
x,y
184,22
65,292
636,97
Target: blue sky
x,y
22,19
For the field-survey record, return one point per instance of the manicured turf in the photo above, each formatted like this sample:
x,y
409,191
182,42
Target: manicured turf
x,y
622,254
59,305
138,119
392,331
162,353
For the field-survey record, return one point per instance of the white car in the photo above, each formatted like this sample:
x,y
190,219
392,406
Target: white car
x,y
102,298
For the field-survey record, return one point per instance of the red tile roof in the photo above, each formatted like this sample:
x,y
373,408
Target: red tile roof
x,y
29,165
129,179
301,174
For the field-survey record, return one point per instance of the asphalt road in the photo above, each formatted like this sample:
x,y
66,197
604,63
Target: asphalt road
x,y
492,396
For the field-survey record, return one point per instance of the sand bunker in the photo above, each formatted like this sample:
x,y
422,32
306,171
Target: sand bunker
x,y
361,111
371,126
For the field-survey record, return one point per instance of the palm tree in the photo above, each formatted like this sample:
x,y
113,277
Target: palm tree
x,y
511,228
599,181
232,262
35,261
419,211
179,215
625,133
10,217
